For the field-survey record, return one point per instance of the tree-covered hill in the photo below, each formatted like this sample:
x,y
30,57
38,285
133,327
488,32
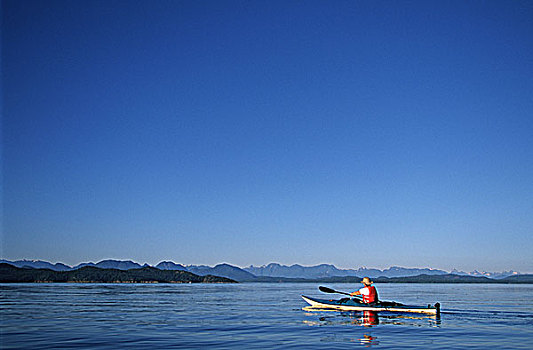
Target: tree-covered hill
x,y
88,274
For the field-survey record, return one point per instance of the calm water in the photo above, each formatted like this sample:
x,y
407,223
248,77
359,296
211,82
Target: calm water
x,y
257,316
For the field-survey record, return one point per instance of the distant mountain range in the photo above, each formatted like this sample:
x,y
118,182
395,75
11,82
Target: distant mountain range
x,y
325,270
270,272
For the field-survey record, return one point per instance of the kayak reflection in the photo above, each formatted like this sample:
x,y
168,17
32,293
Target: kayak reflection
x,y
371,319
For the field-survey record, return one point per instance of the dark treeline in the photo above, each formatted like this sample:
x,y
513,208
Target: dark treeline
x,y
12,274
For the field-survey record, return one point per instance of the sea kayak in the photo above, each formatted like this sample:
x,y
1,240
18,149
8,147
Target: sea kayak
x,y
347,304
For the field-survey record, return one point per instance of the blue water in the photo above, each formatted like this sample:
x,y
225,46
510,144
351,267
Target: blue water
x,y
257,316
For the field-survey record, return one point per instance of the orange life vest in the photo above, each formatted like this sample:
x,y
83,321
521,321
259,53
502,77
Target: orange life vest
x,y
372,295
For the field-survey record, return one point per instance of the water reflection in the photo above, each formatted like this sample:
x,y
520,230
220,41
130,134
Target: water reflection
x,y
367,320
368,340
370,319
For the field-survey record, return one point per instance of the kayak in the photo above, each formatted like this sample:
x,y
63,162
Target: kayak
x,y
347,304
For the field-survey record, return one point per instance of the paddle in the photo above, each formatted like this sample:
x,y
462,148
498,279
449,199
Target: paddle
x,y
329,290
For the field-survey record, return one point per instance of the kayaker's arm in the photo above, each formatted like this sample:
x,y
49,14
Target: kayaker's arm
x,y
355,293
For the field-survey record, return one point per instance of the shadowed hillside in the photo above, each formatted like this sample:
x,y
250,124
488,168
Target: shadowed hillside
x,y
88,274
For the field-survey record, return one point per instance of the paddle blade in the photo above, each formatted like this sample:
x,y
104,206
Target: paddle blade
x,y
327,290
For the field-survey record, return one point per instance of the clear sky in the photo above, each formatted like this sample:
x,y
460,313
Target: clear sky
x,y
357,133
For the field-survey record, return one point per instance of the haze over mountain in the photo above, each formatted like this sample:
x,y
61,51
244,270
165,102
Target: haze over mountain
x,y
113,264
251,273
325,270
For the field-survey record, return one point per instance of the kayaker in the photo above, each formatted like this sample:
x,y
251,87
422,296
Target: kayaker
x,y
368,292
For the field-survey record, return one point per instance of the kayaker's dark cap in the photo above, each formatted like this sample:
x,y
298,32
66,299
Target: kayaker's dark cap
x,y
366,280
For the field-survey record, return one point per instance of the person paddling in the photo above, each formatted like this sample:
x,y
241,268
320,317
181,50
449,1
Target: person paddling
x,y
368,292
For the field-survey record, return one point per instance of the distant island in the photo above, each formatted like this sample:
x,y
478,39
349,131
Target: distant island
x,y
89,274
119,271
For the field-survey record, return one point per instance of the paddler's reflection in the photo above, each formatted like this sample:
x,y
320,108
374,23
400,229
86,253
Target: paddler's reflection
x,y
366,318
368,340
370,318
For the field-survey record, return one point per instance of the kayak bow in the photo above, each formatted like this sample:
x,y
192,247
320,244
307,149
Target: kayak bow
x,y
353,305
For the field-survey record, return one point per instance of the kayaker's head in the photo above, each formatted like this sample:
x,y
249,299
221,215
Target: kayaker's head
x,y
366,281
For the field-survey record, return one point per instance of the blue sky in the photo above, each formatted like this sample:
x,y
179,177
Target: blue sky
x,y
357,133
